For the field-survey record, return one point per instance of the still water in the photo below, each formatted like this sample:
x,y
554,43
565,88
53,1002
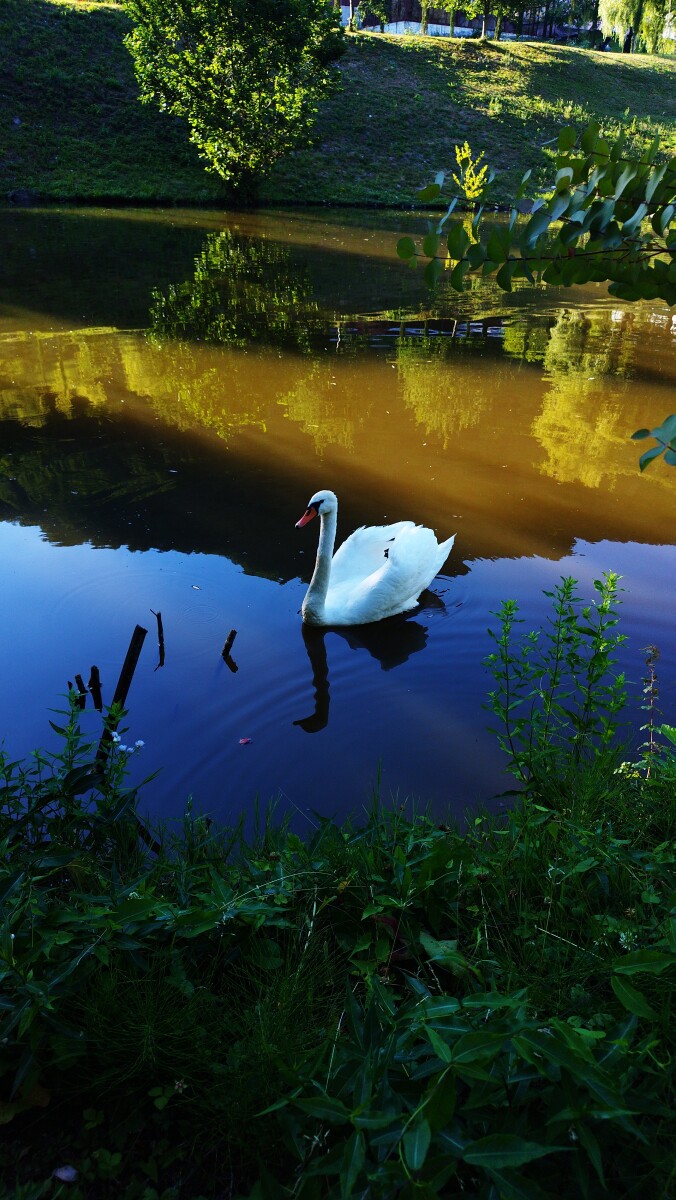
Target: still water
x,y
173,388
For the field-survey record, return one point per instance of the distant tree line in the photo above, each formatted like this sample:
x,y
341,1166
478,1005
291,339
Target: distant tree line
x,y
630,25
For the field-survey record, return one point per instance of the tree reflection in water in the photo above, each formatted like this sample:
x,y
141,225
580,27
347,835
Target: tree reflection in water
x,y
243,291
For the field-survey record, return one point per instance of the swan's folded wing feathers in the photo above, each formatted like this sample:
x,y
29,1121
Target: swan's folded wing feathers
x,y
414,558
363,552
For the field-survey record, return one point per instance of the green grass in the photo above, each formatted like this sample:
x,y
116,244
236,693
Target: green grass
x,y
373,1000
408,101
67,80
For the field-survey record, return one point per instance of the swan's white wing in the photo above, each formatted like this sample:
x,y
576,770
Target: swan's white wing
x,y
364,551
414,558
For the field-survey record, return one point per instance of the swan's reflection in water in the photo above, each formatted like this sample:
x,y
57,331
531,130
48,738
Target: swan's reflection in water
x,y
391,642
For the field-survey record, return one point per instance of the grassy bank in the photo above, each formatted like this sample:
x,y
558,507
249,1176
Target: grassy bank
x,y
390,1008
72,127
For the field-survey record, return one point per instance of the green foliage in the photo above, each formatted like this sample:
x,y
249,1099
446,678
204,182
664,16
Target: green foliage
x,y
374,8
473,178
83,135
394,1008
666,443
610,218
557,699
247,75
647,19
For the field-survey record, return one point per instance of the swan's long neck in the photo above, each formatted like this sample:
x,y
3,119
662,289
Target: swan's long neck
x,y
313,604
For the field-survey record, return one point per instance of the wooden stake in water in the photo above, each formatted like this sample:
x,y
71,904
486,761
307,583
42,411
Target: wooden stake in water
x,y
230,662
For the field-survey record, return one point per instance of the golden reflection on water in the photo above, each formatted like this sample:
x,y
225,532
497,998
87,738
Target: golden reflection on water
x,y
513,427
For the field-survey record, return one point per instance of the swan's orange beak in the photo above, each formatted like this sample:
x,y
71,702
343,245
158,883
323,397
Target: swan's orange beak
x,y
307,516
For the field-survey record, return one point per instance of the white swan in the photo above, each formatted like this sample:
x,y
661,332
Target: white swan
x,y
378,571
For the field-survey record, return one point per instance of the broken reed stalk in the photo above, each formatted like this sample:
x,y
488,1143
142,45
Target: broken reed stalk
x,y
123,685
94,686
160,638
227,647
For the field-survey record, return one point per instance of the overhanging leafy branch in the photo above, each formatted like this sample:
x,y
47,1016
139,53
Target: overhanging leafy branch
x,y
609,218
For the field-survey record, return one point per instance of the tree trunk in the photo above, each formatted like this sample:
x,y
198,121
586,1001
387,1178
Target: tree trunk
x,y
424,9
484,19
638,19
498,26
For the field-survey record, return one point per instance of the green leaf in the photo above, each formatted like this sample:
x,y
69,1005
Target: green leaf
x,y
593,1149
406,248
477,1047
458,240
633,1000
476,255
504,275
640,433
567,138
441,1049
430,245
458,275
648,457
505,1150
664,218
535,227
432,272
428,193
325,1108
667,430
440,1107
564,178
634,221
497,247
589,137
559,205
653,961
627,175
416,1144
654,181
649,154
353,1161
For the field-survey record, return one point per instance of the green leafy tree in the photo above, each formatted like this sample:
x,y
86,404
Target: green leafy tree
x,y
374,8
474,9
424,16
451,7
246,75
645,18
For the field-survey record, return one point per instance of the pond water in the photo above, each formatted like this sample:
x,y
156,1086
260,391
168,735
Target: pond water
x,y
173,388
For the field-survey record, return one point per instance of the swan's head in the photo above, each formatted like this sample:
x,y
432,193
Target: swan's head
x,y
323,503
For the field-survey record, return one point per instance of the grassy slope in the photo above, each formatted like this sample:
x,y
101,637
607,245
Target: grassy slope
x,y
66,76
407,101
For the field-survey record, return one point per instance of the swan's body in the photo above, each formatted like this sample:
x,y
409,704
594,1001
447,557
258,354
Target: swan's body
x,y
378,571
